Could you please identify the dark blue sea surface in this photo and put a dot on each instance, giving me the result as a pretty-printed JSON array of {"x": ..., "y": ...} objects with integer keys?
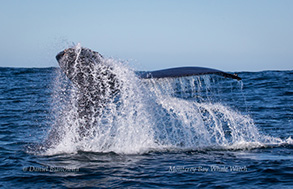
[{"x": 195, "y": 132}]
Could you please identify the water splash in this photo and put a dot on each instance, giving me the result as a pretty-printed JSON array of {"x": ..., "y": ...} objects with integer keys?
[{"x": 183, "y": 113}]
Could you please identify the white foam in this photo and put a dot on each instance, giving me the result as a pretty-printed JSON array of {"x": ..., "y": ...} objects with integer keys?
[{"x": 149, "y": 115}]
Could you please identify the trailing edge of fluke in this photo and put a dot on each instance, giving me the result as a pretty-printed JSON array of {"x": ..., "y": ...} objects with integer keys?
[{"x": 185, "y": 71}]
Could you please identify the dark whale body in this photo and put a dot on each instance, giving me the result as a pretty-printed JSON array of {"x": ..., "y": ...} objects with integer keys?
[
  {"x": 97, "y": 83},
  {"x": 94, "y": 80}
]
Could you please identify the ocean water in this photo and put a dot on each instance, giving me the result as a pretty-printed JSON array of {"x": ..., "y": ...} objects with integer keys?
[{"x": 188, "y": 132}]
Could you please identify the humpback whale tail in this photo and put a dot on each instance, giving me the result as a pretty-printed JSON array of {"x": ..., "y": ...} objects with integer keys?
[{"x": 98, "y": 84}]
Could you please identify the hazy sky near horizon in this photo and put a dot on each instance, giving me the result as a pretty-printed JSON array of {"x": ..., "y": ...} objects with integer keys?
[{"x": 230, "y": 35}]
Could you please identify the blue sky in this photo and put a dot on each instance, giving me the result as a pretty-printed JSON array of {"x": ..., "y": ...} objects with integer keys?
[{"x": 230, "y": 35}]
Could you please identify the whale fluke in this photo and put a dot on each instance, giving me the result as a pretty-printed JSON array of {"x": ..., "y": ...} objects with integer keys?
[
  {"x": 184, "y": 71},
  {"x": 98, "y": 84}
]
